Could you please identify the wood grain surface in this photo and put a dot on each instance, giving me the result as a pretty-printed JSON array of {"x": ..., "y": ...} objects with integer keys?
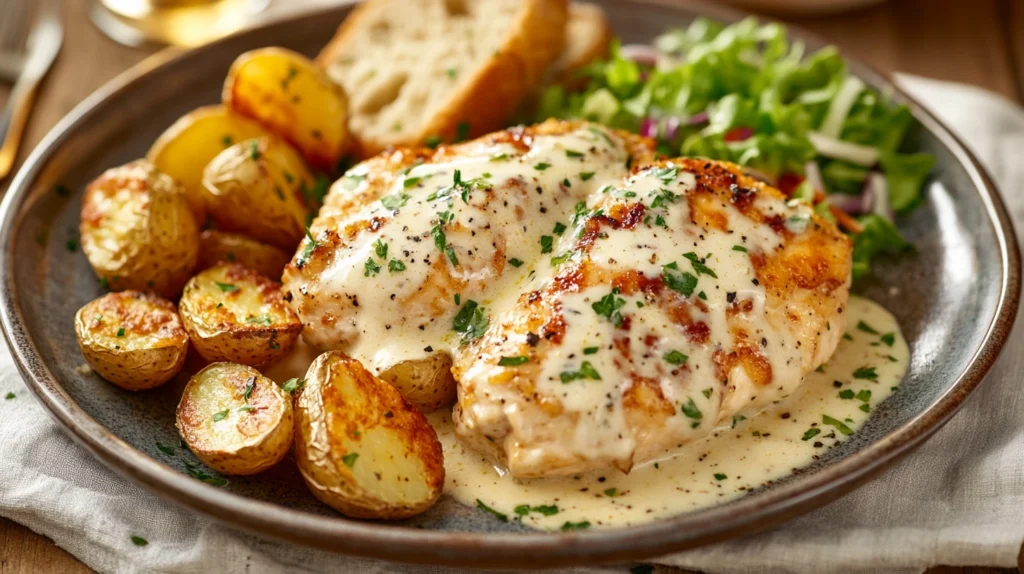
[{"x": 979, "y": 42}]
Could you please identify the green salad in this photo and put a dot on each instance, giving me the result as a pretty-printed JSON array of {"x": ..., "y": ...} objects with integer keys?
[{"x": 745, "y": 93}]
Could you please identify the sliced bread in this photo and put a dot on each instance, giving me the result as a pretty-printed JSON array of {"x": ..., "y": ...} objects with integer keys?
[
  {"x": 588, "y": 36},
  {"x": 422, "y": 71}
]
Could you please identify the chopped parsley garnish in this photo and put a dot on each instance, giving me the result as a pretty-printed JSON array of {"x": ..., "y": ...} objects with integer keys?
[
  {"x": 720, "y": 476},
  {"x": 692, "y": 412},
  {"x": 198, "y": 474},
  {"x": 395, "y": 201},
  {"x": 501, "y": 156},
  {"x": 541, "y": 166},
  {"x": 250, "y": 386},
  {"x": 602, "y": 134},
  {"x": 566, "y": 182},
  {"x": 580, "y": 211},
  {"x": 576, "y": 525},
  {"x": 811, "y": 433},
  {"x": 707, "y": 393},
  {"x": 350, "y": 182},
  {"x": 451, "y": 73},
  {"x": 846, "y": 394},
  {"x": 471, "y": 321},
  {"x": 663, "y": 197},
  {"x": 611, "y": 492},
  {"x": 608, "y": 307},
  {"x": 395, "y": 266},
  {"x": 226, "y": 287},
  {"x": 585, "y": 175},
  {"x": 292, "y": 385},
  {"x": 865, "y": 407},
  {"x": 370, "y": 267},
  {"x": 120, "y": 332},
  {"x": 737, "y": 419},
  {"x": 591, "y": 350},
  {"x": 838, "y": 424},
  {"x": 139, "y": 541},
  {"x": 307, "y": 251},
  {"x": 889, "y": 339},
  {"x": 560, "y": 259},
  {"x": 674, "y": 357},
  {"x": 546, "y": 243},
  {"x": 587, "y": 371},
  {"x": 221, "y": 415},
  {"x": 864, "y": 395},
  {"x": 545, "y": 509},
  {"x": 254, "y": 149},
  {"x": 440, "y": 239},
  {"x": 660, "y": 222},
  {"x": 513, "y": 361},
  {"x": 862, "y": 326},
  {"x": 666, "y": 174},
  {"x": 227, "y": 141},
  {"x": 573, "y": 153},
  {"x": 411, "y": 181},
  {"x": 681, "y": 282},
  {"x": 515, "y": 262},
  {"x": 432, "y": 141},
  {"x": 461, "y": 131},
  {"x": 698, "y": 265},
  {"x": 261, "y": 320},
  {"x": 380, "y": 248},
  {"x": 866, "y": 373},
  {"x": 739, "y": 248},
  {"x": 500, "y": 516},
  {"x": 350, "y": 459},
  {"x": 559, "y": 228}
]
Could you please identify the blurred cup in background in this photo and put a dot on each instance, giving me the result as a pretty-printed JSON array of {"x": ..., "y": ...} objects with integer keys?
[{"x": 173, "y": 22}]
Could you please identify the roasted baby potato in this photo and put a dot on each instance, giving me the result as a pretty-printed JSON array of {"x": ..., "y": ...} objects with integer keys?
[
  {"x": 427, "y": 384},
  {"x": 138, "y": 231},
  {"x": 234, "y": 419},
  {"x": 362, "y": 449},
  {"x": 258, "y": 187},
  {"x": 184, "y": 149},
  {"x": 132, "y": 339},
  {"x": 232, "y": 313},
  {"x": 293, "y": 98},
  {"x": 219, "y": 246}
]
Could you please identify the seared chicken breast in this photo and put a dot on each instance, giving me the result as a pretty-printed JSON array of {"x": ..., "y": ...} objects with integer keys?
[{"x": 600, "y": 307}]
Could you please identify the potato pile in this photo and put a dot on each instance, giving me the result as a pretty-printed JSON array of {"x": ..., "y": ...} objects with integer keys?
[{"x": 210, "y": 218}]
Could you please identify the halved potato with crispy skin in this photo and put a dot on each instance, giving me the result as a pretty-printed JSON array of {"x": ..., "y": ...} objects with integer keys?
[
  {"x": 184, "y": 149},
  {"x": 132, "y": 339},
  {"x": 294, "y": 98},
  {"x": 232, "y": 313},
  {"x": 258, "y": 187},
  {"x": 234, "y": 419},
  {"x": 138, "y": 231},
  {"x": 362, "y": 449},
  {"x": 427, "y": 383},
  {"x": 219, "y": 246}
]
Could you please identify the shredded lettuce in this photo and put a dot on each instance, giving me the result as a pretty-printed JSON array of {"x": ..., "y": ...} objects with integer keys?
[{"x": 745, "y": 93}]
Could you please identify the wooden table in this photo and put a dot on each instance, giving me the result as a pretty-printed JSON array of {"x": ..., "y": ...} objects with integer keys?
[{"x": 979, "y": 42}]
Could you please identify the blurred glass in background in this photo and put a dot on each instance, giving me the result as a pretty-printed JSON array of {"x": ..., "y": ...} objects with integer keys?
[{"x": 173, "y": 22}]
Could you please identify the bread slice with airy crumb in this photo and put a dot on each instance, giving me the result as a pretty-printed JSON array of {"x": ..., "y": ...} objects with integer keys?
[
  {"x": 423, "y": 71},
  {"x": 588, "y": 37}
]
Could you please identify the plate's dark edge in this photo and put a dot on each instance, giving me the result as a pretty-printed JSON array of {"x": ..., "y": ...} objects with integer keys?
[{"x": 505, "y": 550}]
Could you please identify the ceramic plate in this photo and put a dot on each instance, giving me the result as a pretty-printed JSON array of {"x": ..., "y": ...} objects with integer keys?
[{"x": 955, "y": 297}]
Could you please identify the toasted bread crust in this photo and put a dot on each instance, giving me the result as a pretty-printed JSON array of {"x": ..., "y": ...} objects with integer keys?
[{"x": 491, "y": 93}]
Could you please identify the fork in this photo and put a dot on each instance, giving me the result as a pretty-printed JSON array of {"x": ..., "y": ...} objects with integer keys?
[{"x": 44, "y": 41}]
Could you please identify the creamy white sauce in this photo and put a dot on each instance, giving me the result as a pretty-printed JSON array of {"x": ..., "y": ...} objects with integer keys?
[{"x": 722, "y": 467}]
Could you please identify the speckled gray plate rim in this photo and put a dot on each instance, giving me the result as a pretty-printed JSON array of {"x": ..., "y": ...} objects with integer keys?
[{"x": 482, "y": 546}]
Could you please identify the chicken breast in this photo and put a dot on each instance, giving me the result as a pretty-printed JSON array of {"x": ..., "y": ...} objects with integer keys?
[{"x": 601, "y": 308}]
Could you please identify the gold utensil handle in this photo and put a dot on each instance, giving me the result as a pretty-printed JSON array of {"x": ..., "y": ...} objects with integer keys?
[{"x": 12, "y": 125}]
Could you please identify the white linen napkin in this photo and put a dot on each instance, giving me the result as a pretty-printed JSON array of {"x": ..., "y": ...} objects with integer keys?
[{"x": 958, "y": 500}]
